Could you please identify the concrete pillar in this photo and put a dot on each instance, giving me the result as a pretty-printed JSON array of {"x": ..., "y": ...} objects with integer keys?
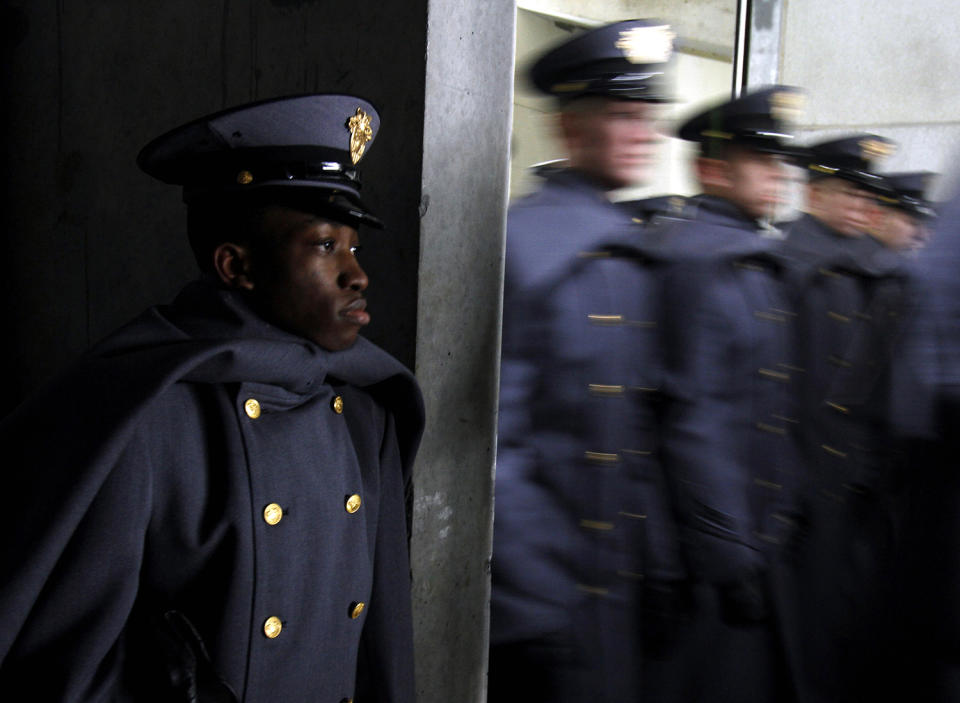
[
  {"x": 466, "y": 136},
  {"x": 763, "y": 42}
]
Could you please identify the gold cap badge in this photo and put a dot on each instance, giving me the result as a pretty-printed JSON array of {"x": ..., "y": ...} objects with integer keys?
[
  {"x": 787, "y": 106},
  {"x": 871, "y": 149},
  {"x": 647, "y": 44},
  {"x": 360, "y": 134}
]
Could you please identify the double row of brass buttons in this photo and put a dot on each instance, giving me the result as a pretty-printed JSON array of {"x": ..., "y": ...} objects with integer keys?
[
  {"x": 273, "y": 514},
  {"x": 273, "y": 626},
  {"x": 252, "y": 407}
]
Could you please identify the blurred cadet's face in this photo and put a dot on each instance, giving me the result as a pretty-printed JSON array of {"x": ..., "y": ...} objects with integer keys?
[
  {"x": 840, "y": 205},
  {"x": 756, "y": 181},
  {"x": 613, "y": 141},
  {"x": 307, "y": 279},
  {"x": 898, "y": 229},
  {"x": 752, "y": 180}
]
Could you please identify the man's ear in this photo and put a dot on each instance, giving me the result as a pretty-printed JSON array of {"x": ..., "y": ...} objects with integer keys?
[
  {"x": 814, "y": 195},
  {"x": 232, "y": 262},
  {"x": 568, "y": 126},
  {"x": 713, "y": 174}
]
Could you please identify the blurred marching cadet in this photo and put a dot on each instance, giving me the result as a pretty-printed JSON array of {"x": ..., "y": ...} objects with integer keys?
[
  {"x": 582, "y": 529},
  {"x": 729, "y": 451},
  {"x": 927, "y": 414},
  {"x": 850, "y": 296},
  {"x": 842, "y": 186},
  {"x": 900, "y": 219},
  {"x": 212, "y": 501}
]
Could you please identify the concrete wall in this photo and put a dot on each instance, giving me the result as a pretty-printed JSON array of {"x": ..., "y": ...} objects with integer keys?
[
  {"x": 465, "y": 170},
  {"x": 884, "y": 67},
  {"x": 706, "y": 22}
]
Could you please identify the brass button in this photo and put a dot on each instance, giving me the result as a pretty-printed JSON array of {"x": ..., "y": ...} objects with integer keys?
[
  {"x": 244, "y": 178},
  {"x": 595, "y": 524},
  {"x": 356, "y": 609},
  {"x": 337, "y": 405},
  {"x": 346, "y": 700},
  {"x": 252, "y": 408},
  {"x": 272, "y": 627},
  {"x": 272, "y": 514},
  {"x": 353, "y": 504}
]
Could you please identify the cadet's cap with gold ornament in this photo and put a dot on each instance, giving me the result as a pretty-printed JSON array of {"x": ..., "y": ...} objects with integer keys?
[
  {"x": 303, "y": 148},
  {"x": 854, "y": 158},
  {"x": 628, "y": 60},
  {"x": 761, "y": 120},
  {"x": 909, "y": 192}
]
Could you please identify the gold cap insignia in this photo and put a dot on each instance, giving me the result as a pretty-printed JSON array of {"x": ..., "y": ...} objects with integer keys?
[
  {"x": 647, "y": 44},
  {"x": 360, "y": 134},
  {"x": 872, "y": 149},
  {"x": 787, "y": 106}
]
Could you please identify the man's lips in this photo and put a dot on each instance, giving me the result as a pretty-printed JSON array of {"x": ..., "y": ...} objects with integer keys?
[{"x": 356, "y": 312}]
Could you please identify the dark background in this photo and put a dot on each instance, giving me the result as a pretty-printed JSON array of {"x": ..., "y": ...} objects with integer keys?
[{"x": 88, "y": 240}]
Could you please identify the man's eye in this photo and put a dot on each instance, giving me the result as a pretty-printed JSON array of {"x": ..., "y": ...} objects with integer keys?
[
  {"x": 327, "y": 244},
  {"x": 355, "y": 250}
]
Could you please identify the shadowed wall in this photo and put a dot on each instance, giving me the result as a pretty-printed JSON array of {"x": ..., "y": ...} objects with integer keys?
[{"x": 89, "y": 240}]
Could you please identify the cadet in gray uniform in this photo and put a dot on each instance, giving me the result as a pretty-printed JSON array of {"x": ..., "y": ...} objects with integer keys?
[
  {"x": 849, "y": 295},
  {"x": 212, "y": 502},
  {"x": 581, "y": 524},
  {"x": 728, "y": 444},
  {"x": 927, "y": 414}
]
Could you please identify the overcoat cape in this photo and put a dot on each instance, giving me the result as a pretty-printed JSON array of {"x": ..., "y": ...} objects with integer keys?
[{"x": 62, "y": 446}]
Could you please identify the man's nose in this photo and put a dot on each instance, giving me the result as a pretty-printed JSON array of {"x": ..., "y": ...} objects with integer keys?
[{"x": 352, "y": 275}]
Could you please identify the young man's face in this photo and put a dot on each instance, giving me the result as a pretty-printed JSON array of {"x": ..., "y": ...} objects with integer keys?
[
  {"x": 613, "y": 141},
  {"x": 752, "y": 180},
  {"x": 897, "y": 229},
  {"x": 840, "y": 205},
  {"x": 306, "y": 277},
  {"x": 756, "y": 181}
]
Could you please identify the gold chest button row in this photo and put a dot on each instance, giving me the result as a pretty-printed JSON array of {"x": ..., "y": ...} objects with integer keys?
[
  {"x": 353, "y": 504},
  {"x": 272, "y": 514},
  {"x": 337, "y": 404},
  {"x": 252, "y": 408},
  {"x": 356, "y": 609},
  {"x": 272, "y": 627}
]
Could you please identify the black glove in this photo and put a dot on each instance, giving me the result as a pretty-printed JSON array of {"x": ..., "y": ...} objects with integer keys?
[
  {"x": 744, "y": 601},
  {"x": 666, "y": 608},
  {"x": 190, "y": 673}
]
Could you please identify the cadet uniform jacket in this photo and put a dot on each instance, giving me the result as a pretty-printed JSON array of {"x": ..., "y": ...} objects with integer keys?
[
  {"x": 928, "y": 413},
  {"x": 730, "y": 446},
  {"x": 201, "y": 471},
  {"x": 850, "y": 296},
  {"x": 581, "y": 516}
]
